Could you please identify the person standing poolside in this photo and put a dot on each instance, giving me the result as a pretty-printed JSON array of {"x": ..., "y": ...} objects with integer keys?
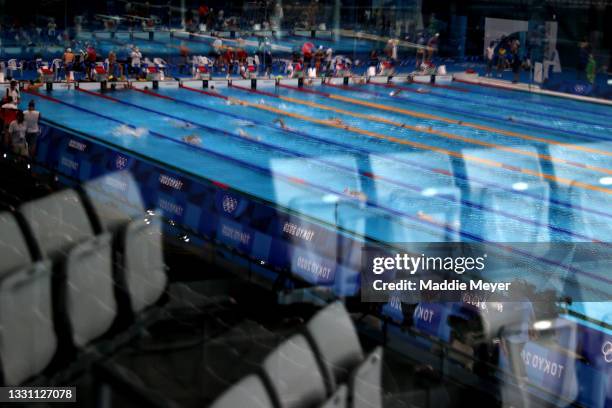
[
  {"x": 17, "y": 135},
  {"x": 114, "y": 69},
  {"x": 135, "y": 58},
  {"x": 13, "y": 92},
  {"x": 32, "y": 118},
  {"x": 91, "y": 59},
  {"x": 68, "y": 60}
]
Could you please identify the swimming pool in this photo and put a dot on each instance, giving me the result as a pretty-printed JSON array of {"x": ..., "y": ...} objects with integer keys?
[{"x": 331, "y": 165}]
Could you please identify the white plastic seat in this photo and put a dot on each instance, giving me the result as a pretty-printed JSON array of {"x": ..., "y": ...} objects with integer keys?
[
  {"x": 336, "y": 342},
  {"x": 63, "y": 232},
  {"x": 14, "y": 251},
  {"x": 58, "y": 222},
  {"x": 117, "y": 203},
  {"x": 338, "y": 399},
  {"x": 366, "y": 384},
  {"x": 294, "y": 374},
  {"x": 143, "y": 267},
  {"x": 248, "y": 392},
  {"x": 27, "y": 336},
  {"x": 90, "y": 298}
]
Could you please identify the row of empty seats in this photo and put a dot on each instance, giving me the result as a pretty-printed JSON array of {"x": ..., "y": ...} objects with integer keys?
[
  {"x": 73, "y": 265},
  {"x": 322, "y": 367}
]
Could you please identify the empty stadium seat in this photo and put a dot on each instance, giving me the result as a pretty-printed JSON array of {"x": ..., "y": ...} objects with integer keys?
[
  {"x": 336, "y": 342},
  {"x": 84, "y": 295},
  {"x": 118, "y": 206},
  {"x": 89, "y": 298},
  {"x": 58, "y": 222},
  {"x": 338, "y": 399},
  {"x": 294, "y": 374},
  {"x": 116, "y": 199},
  {"x": 366, "y": 383},
  {"x": 27, "y": 336},
  {"x": 249, "y": 392},
  {"x": 14, "y": 251}
]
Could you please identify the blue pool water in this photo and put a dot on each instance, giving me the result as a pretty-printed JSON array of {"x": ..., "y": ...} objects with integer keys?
[{"x": 443, "y": 189}]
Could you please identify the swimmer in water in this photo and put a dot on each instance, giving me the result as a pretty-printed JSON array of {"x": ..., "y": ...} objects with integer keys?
[
  {"x": 281, "y": 123},
  {"x": 511, "y": 119},
  {"x": 245, "y": 135},
  {"x": 192, "y": 139},
  {"x": 182, "y": 125},
  {"x": 338, "y": 122},
  {"x": 422, "y": 90},
  {"x": 125, "y": 130},
  {"x": 395, "y": 92},
  {"x": 356, "y": 194}
]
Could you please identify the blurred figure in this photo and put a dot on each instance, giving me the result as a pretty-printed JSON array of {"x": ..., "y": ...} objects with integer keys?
[
  {"x": 584, "y": 50},
  {"x": 13, "y": 92},
  {"x": 432, "y": 46},
  {"x": 516, "y": 61},
  {"x": 135, "y": 58},
  {"x": 420, "y": 51},
  {"x": 90, "y": 61},
  {"x": 591, "y": 69},
  {"x": 489, "y": 57},
  {"x": 32, "y": 118},
  {"x": 9, "y": 103},
  {"x": 115, "y": 69},
  {"x": 17, "y": 135}
]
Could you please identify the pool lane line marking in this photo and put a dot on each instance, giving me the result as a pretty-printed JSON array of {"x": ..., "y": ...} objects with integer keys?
[
  {"x": 510, "y": 133},
  {"x": 488, "y": 117},
  {"x": 439, "y": 118},
  {"x": 543, "y": 93},
  {"x": 421, "y": 146},
  {"x": 369, "y": 174},
  {"x": 414, "y": 164},
  {"x": 439, "y": 133},
  {"x": 448, "y": 135},
  {"x": 441, "y": 86},
  {"x": 424, "y": 220}
]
